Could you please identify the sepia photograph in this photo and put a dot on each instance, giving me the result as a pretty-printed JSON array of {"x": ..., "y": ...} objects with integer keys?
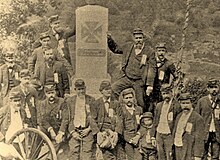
[{"x": 109, "y": 80}]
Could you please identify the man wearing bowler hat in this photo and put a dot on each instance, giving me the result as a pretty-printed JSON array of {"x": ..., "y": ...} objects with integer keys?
[
  {"x": 209, "y": 108},
  {"x": 139, "y": 69},
  {"x": 188, "y": 132},
  {"x": 106, "y": 121},
  {"x": 81, "y": 142}
]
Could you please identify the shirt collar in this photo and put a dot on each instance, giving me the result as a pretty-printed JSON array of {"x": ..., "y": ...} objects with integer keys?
[
  {"x": 141, "y": 47},
  {"x": 108, "y": 100}
]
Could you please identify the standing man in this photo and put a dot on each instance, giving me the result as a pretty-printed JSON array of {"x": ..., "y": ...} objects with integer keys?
[
  {"x": 165, "y": 69},
  {"x": 164, "y": 120},
  {"x": 28, "y": 97},
  {"x": 106, "y": 122},
  {"x": 9, "y": 72},
  {"x": 131, "y": 114},
  {"x": 37, "y": 58},
  {"x": 209, "y": 108},
  {"x": 81, "y": 142},
  {"x": 188, "y": 132},
  {"x": 139, "y": 69},
  {"x": 55, "y": 71}
]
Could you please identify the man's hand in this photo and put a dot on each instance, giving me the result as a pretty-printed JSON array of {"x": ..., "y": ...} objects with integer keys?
[
  {"x": 59, "y": 137},
  {"x": 85, "y": 132},
  {"x": 76, "y": 136},
  {"x": 52, "y": 133},
  {"x": 149, "y": 90},
  {"x": 197, "y": 158},
  {"x": 154, "y": 142},
  {"x": 135, "y": 140},
  {"x": 25, "y": 125}
]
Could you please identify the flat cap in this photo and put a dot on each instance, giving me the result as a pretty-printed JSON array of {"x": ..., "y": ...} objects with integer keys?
[
  {"x": 161, "y": 45},
  {"x": 53, "y": 18},
  {"x": 165, "y": 88},
  {"x": 184, "y": 96},
  {"x": 79, "y": 83},
  {"x": 49, "y": 85},
  {"x": 127, "y": 91},
  {"x": 105, "y": 84},
  {"x": 212, "y": 82},
  {"x": 24, "y": 73},
  {"x": 138, "y": 31},
  {"x": 15, "y": 94},
  {"x": 147, "y": 115},
  {"x": 44, "y": 35}
]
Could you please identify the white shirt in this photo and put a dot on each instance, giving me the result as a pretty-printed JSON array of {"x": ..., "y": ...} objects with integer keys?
[
  {"x": 181, "y": 125},
  {"x": 130, "y": 109},
  {"x": 137, "y": 50},
  {"x": 16, "y": 125},
  {"x": 80, "y": 112},
  {"x": 212, "y": 124},
  {"x": 163, "y": 126}
]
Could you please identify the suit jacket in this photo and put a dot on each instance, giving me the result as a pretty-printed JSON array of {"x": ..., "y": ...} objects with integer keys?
[
  {"x": 4, "y": 78},
  {"x": 149, "y": 70},
  {"x": 30, "y": 98},
  {"x": 193, "y": 139},
  {"x": 58, "y": 67},
  {"x": 204, "y": 108},
  {"x": 98, "y": 115},
  {"x": 169, "y": 69},
  {"x": 5, "y": 119},
  {"x": 130, "y": 122},
  {"x": 54, "y": 115},
  {"x": 174, "y": 109},
  {"x": 71, "y": 104}
]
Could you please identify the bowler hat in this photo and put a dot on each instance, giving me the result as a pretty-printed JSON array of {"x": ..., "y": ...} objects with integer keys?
[
  {"x": 79, "y": 83},
  {"x": 105, "y": 84},
  {"x": 49, "y": 85}
]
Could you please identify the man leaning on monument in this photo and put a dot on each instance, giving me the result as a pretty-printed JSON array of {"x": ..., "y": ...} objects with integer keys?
[{"x": 139, "y": 69}]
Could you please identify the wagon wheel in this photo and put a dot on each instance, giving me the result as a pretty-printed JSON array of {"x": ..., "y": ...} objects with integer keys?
[{"x": 33, "y": 144}]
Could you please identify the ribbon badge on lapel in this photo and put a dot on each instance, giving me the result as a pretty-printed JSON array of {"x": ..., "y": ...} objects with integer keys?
[{"x": 143, "y": 60}]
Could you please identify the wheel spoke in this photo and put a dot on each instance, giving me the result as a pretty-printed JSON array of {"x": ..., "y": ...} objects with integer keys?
[
  {"x": 27, "y": 149},
  {"x": 37, "y": 149},
  {"x": 21, "y": 147},
  {"x": 42, "y": 155}
]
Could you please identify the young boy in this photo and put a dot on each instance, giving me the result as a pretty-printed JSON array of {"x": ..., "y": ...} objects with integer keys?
[{"x": 147, "y": 143}]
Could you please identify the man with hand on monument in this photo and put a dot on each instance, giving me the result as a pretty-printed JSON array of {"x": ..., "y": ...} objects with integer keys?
[
  {"x": 106, "y": 121},
  {"x": 139, "y": 69}
]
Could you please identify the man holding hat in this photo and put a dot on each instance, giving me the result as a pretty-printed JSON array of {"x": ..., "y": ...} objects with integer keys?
[
  {"x": 139, "y": 68},
  {"x": 165, "y": 69},
  {"x": 106, "y": 121},
  {"x": 188, "y": 132},
  {"x": 12, "y": 117},
  {"x": 209, "y": 108},
  {"x": 9, "y": 72},
  {"x": 52, "y": 70},
  {"x": 131, "y": 114},
  {"x": 53, "y": 117},
  {"x": 164, "y": 120},
  {"x": 81, "y": 142}
]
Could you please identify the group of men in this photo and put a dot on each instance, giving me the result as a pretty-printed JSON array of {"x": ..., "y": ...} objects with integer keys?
[{"x": 120, "y": 122}]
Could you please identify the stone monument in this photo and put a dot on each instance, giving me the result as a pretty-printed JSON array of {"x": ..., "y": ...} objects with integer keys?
[{"x": 91, "y": 46}]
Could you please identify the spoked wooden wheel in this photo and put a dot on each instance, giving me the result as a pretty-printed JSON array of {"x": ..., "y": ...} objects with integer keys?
[{"x": 33, "y": 144}]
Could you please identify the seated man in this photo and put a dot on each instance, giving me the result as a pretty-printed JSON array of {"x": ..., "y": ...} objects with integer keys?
[{"x": 53, "y": 117}]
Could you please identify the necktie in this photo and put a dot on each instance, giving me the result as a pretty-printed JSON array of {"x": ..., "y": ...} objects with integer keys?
[{"x": 107, "y": 106}]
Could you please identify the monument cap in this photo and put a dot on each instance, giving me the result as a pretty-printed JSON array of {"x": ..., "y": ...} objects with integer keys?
[
  {"x": 105, "y": 85},
  {"x": 79, "y": 83}
]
